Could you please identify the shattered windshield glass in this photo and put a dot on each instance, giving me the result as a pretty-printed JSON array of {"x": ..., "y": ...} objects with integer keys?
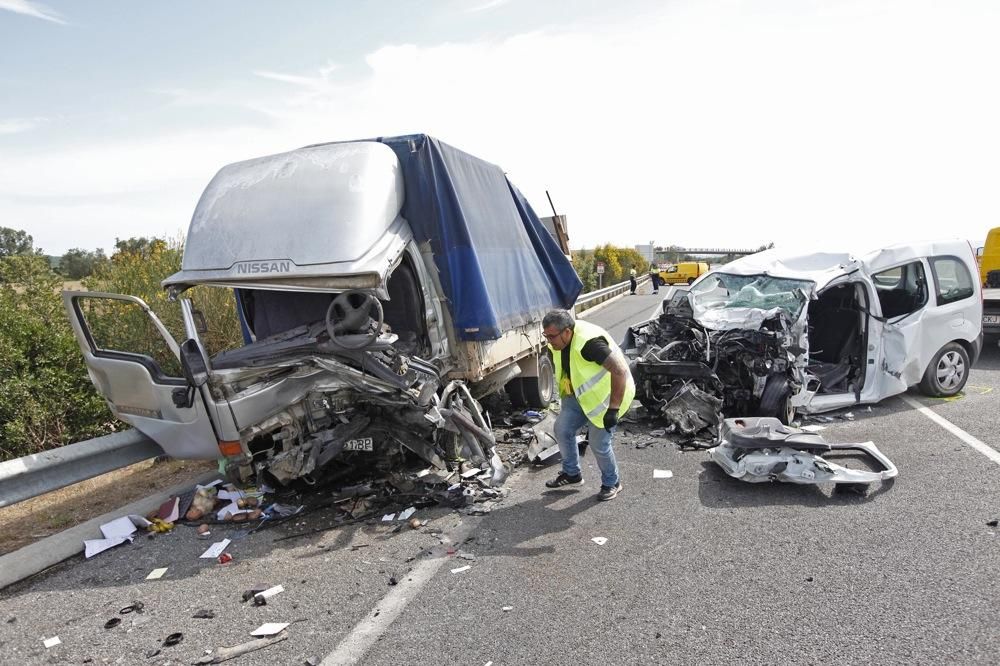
[{"x": 719, "y": 294}]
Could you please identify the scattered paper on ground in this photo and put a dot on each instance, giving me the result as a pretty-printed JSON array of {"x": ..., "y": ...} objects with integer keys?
[
  {"x": 406, "y": 513},
  {"x": 51, "y": 642},
  {"x": 116, "y": 532},
  {"x": 215, "y": 549},
  {"x": 662, "y": 474},
  {"x": 461, "y": 569},
  {"x": 388, "y": 518},
  {"x": 813, "y": 428},
  {"x": 600, "y": 541},
  {"x": 156, "y": 573},
  {"x": 269, "y": 629}
]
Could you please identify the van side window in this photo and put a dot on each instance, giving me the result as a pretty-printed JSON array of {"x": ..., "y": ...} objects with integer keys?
[
  {"x": 901, "y": 290},
  {"x": 952, "y": 279},
  {"x": 672, "y": 269},
  {"x": 122, "y": 329}
]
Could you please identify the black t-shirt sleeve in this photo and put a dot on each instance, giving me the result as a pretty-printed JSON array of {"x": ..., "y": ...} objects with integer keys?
[{"x": 596, "y": 350}]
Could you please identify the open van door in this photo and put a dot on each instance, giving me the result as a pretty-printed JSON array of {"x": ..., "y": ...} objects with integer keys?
[{"x": 136, "y": 366}]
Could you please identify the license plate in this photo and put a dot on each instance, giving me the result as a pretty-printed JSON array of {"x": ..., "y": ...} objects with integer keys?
[
  {"x": 363, "y": 444},
  {"x": 991, "y": 319}
]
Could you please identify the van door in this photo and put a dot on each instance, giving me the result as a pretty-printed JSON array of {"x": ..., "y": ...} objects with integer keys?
[
  {"x": 135, "y": 364},
  {"x": 903, "y": 301}
]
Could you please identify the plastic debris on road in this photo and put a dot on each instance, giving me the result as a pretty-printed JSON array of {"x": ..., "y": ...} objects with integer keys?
[
  {"x": 461, "y": 569},
  {"x": 600, "y": 541},
  {"x": 51, "y": 642},
  {"x": 662, "y": 474}
]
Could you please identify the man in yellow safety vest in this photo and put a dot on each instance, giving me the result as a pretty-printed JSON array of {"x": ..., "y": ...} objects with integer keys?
[{"x": 595, "y": 386}]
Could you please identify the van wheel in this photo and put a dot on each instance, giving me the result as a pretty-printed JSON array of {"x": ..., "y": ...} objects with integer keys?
[
  {"x": 776, "y": 400},
  {"x": 947, "y": 373},
  {"x": 539, "y": 391}
]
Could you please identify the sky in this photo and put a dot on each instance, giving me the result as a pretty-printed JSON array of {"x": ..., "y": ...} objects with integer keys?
[{"x": 817, "y": 125}]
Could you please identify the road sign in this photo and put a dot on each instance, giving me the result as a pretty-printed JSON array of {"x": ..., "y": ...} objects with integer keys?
[{"x": 600, "y": 267}]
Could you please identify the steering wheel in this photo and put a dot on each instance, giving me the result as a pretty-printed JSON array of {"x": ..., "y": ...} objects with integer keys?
[{"x": 351, "y": 313}]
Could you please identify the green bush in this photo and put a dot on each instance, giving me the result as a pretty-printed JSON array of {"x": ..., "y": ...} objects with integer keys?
[{"x": 46, "y": 397}]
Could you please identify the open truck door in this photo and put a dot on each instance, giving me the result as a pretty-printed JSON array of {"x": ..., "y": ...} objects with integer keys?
[{"x": 137, "y": 367}]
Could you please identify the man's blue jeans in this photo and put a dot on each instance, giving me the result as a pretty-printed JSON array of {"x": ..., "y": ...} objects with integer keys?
[{"x": 571, "y": 419}]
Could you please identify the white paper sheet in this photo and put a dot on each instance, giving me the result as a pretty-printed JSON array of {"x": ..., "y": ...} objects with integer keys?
[
  {"x": 156, "y": 573},
  {"x": 269, "y": 629},
  {"x": 662, "y": 474},
  {"x": 406, "y": 513},
  {"x": 388, "y": 518},
  {"x": 215, "y": 549},
  {"x": 116, "y": 532},
  {"x": 813, "y": 428},
  {"x": 600, "y": 541},
  {"x": 51, "y": 642},
  {"x": 461, "y": 569}
]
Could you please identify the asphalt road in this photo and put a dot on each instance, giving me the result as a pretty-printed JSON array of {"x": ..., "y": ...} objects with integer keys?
[{"x": 698, "y": 568}]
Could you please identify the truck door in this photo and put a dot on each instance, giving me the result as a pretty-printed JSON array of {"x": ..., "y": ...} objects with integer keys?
[{"x": 135, "y": 364}]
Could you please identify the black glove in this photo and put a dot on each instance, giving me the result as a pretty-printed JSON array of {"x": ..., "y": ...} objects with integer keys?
[{"x": 610, "y": 418}]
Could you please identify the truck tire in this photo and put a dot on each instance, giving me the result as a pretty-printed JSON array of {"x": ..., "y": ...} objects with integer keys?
[
  {"x": 947, "y": 372},
  {"x": 540, "y": 391},
  {"x": 515, "y": 391},
  {"x": 776, "y": 400}
]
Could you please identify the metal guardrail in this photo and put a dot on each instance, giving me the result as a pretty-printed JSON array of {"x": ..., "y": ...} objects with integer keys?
[
  {"x": 591, "y": 299},
  {"x": 40, "y": 473}
]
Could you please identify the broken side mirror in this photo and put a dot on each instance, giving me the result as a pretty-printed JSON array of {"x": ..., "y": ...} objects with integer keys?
[{"x": 195, "y": 372}]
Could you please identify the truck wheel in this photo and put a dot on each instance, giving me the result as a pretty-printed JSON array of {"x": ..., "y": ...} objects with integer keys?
[
  {"x": 947, "y": 373},
  {"x": 539, "y": 391},
  {"x": 515, "y": 391},
  {"x": 776, "y": 400}
]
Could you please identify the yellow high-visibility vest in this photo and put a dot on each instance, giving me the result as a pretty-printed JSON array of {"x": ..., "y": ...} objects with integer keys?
[{"x": 591, "y": 382}]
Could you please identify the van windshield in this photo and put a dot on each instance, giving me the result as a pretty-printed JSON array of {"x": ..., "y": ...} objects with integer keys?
[{"x": 725, "y": 291}]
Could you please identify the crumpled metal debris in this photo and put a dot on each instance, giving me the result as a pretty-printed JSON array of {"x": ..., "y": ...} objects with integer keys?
[{"x": 762, "y": 449}]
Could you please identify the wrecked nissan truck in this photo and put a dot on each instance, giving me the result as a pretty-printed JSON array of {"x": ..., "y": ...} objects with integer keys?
[
  {"x": 382, "y": 286},
  {"x": 773, "y": 334}
]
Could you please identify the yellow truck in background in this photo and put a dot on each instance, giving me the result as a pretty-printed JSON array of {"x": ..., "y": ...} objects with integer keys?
[
  {"x": 989, "y": 275},
  {"x": 684, "y": 272}
]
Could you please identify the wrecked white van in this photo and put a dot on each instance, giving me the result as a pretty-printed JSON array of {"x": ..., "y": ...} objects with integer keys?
[
  {"x": 773, "y": 333},
  {"x": 383, "y": 286}
]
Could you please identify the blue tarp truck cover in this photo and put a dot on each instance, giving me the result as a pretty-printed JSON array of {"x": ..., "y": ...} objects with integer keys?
[{"x": 499, "y": 267}]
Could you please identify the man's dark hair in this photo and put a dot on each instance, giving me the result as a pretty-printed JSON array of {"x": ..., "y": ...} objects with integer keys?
[{"x": 560, "y": 319}]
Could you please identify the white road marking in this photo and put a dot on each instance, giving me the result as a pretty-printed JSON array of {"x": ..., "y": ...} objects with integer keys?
[
  {"x": 356, "y": 644},
  {"x": 985, "y": 449}
]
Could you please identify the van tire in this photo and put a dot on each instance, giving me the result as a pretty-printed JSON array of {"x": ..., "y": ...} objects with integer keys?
[
  {"x": 776, "y": 400},
  {"x": 947, "y": 372},
  {"x": 539, "y": 391}
]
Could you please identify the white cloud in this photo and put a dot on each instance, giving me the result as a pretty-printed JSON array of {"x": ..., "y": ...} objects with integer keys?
[
  {"x": 18, "y": 125},
  {"x": 489, "y": 4},
  {"x": 34, "y": 9},
  {"x": 705, "y": 124}
]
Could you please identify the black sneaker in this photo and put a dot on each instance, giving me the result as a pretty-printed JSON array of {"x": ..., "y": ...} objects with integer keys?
[
  {"x": 565, "y": 479},
  {"x": 609, "y": 492}
]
